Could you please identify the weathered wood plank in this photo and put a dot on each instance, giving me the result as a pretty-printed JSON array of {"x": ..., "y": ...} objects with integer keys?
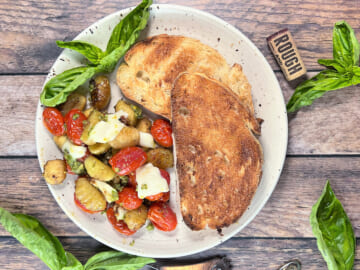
[
  {"x": 285, "y": 215},
  {"x": 330, "y": 126},
  {"x": 250, "y": 254},
  {"x": 30, "y": 28}
]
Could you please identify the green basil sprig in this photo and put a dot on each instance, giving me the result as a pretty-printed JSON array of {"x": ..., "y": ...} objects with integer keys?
[
  {"x": 34, "y": 236},
  {"x": 110, "y": 260},
  {"x": 122, "y": 38},
  {"x": 343, "y": 70},
  {"x": 332, "y": 228},
  {"x": 93, "y": 53}
]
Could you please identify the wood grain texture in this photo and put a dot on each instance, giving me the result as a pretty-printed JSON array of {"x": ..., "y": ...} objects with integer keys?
[
  {"x": 285, "y": 215},
  {"x": 330, "y": 126},
  {"x": 243, "y": 253},
  {"x": 30, "y": 28}
]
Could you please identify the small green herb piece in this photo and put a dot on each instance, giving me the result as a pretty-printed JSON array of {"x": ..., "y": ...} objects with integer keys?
[
  {"x": 75, "y": 165},
  {"x": 137, "y": 111},
  {"x": 343, "y": 70},
  {"x": 124, "y": 179},
  {"x": 122, "y": 38},
  {"x": 150, "y": 227},
  {"x": 116, "y": 260},
  {"x": 144, "y": 186},
  {"x": 332, "y": 228}
]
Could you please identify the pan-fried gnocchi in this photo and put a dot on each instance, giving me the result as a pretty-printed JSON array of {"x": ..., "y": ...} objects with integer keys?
[{"x": 114, "y": 147}]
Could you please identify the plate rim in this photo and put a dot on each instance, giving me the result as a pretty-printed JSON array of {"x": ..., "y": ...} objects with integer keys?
[{"x": 219, "y": 21}]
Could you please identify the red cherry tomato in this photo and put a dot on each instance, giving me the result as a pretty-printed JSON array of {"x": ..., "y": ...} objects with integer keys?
[
  {"x": 132, "y": 180},
  {"x": 161, "y": 215},
  {"x": 120, "y": 225},
  {"x": 82, "y": 207},
  {"x": 128, "y": 160},
  {"x": 54, "y": 121},
  {"x": 161, "y": 131},
  {"x": 163, "y": 196},
  {"x": 74, "y": 121},
  {"x": 128, "y": 198}
]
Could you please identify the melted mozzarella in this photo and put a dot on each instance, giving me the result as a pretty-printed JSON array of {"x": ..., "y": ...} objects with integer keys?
[
  {"x": 149, "y": 181},
  {"x": 106, "y": 131},
  {"x": 147, "y": 140},
  {"x": 76, "y": 151}
]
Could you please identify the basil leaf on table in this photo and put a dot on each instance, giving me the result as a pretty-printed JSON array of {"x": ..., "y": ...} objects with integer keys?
[
  {"x": 34, "y": 236},
  {"x": 122, "y": 38},
  {"x": 345, "y": 44},
  {"x": 314, "y": 88},
  {"x": 116, "y": 260},
  {"x": 333, "y": 231},
  {"x": 343, "y": 70},
  {"x": 93, "y": 53}
]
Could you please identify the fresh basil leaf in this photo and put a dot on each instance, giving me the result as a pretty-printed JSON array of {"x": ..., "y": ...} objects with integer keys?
[
  {"x": 333, "y": 64},
  {"x": 34, "y": 236},
  {"x": 333, "y": 231},
  {"x": 93, "y": 53},
  {"x": 116, "y": 260},
  {"x": 125, "y": 35},
  {"x": 72, "y": 263},
  {"x": 129, "y": 27},
  {"x": 345, "y": 44},
  {"x": 308, "y": 91},
  {"x": 57, "y": 89}
]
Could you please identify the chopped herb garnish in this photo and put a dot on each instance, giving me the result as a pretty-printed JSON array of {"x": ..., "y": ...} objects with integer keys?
[{"x": 150, "y": 227}]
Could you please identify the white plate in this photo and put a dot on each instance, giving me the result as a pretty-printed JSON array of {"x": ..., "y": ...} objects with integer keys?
[{"x": 268, "y": 102}]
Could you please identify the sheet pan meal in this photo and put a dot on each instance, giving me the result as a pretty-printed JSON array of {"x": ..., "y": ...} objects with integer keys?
[{"x": 205, "y": 128}]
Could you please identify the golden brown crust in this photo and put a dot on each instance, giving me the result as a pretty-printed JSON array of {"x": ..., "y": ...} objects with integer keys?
[
  {"x": 219, "y": 159},
  {"x": 151, "y": 66}
]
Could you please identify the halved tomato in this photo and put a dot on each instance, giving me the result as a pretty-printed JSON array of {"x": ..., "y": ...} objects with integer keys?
[{"x": 128, "y": 160}]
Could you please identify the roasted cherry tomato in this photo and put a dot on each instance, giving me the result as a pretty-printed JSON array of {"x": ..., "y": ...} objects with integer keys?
[
  {"x": 161, "y": 131},
  {"x": 132, "y": 180},
  {"x": 161, "y": 215},
  {"x": 54, "y": 121},
  {"x": 128, "y": 160},
  {"x": 163, "y": 196},
  {"x": 120, "y": 225},
  {"x": 128, "y": 198},
  {"x": 82, "y": 207},
  {"x": 74, "y": 121}
]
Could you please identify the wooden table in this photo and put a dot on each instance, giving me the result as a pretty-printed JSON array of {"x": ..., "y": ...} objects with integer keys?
[{"x": 324, "y": 139}]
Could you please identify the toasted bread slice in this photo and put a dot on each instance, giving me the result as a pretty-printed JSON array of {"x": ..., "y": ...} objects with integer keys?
[
  {"x": 151, "y": 66},
  {"x": 219, "y": 159}
]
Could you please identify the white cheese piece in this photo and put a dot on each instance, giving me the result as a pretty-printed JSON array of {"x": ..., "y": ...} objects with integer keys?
[
  {"x": 146, "y": 140},
  {"x": 106, "y": 131},
  {"x": 149, "y": 181},
  {"x": 120, "y": 213},
  {"x": 110, "y": 193},
  {"x": 76, "y": 151}
]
